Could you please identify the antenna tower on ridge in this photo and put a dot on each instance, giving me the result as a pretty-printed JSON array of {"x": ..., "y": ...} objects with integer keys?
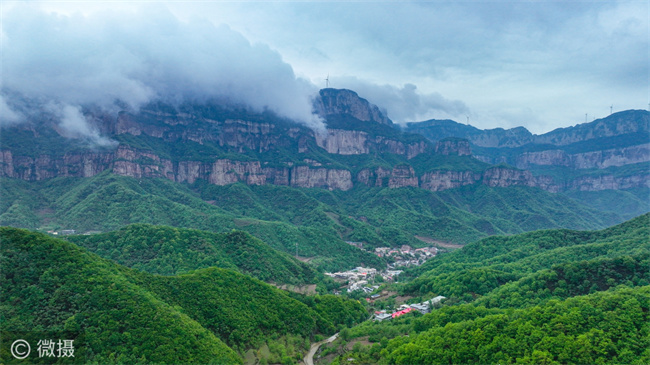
[
  {"x": 611, "y": 109},
  {"x": 327, "y": 81}
]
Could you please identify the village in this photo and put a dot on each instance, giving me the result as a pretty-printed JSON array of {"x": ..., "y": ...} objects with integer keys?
[
  {"x": 359, "y": 278},
  {"x": 424, "y": 308}
]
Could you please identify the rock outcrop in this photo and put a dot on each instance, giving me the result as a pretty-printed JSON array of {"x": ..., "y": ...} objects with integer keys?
[
  {"x": 402, "y": 176},
  {"x": 500, "y": 176},
  {"x": 342, "y": 101},
  {"x": 343, "y": 142},
  {"x": 453, "y": 146},
  {"x": 588, "y": 160},
  {"x": 605, "y": 182},
  {"x": 444, "y": 180}
]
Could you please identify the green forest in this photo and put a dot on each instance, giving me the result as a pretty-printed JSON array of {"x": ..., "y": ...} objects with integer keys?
[
  {"x": 123, "y": 315},
  {"x": 170, "y": 251},
  {"x": 312, "y": 223},
  {"x": 545, "y": 297}
]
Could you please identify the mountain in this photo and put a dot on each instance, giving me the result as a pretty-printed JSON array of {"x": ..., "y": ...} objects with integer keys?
[
  {"x": 223, "y": 145},
  {"x": 545, "y": 297},
  {"x": 116, "y": 314},
  {"x": 172, "y": 251},
  {"x": 629, "y": 123},
  {"x": 219, "y": 167},
  {"x": 484, "y": 265},
  {"x": 608, "y": 153}
]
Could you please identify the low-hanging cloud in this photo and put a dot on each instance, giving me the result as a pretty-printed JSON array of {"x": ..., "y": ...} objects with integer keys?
[
  {"x": 405, "y": 104},
  {"x": 134, "y": 57}
]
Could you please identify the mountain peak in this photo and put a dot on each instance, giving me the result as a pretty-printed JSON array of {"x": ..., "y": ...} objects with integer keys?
[{"x": 344, "y": 101}]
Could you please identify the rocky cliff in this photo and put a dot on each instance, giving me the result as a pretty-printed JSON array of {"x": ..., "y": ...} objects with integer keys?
[
  {"x": 618, "y": 124},
  {"x": 587, "y": 160},
  {"x": 222, "y": 146},
  {"x": 127, "y": 161},
  {"x": 453, "y": 146},
  {"x": 342, "y": 101}
]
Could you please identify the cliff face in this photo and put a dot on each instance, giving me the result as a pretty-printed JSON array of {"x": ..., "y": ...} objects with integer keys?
[
  {"x": 341, "y": 101},
  {"x": 606, "y": 182},
  {"x": 126, "y": 161},
  {"x": 453, "y": 146},
  {"x": 223, "y": 147},
  {"x": 443, "y": 180},
  {"x": 587, "y": 160},
  {"x": 563, "y": 159},
  {"x": 344, "y": 142}
]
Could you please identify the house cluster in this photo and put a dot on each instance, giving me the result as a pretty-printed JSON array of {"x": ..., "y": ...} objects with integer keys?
[
  {"x": 358, "y": 278},
  {"x": 424, "y": 308},
  {"x": 390, "y": 275},
  {"x": 66, "y": 232},
  {"x": 407, "y": 255},
  {"x": 63, "y": 232}
]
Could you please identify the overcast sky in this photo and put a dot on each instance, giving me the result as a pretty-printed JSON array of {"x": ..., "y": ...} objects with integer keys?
[{"x": 538, "y": 64}]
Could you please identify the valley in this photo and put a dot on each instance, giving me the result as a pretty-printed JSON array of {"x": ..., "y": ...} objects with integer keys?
[{"x": 209, "y": 233}]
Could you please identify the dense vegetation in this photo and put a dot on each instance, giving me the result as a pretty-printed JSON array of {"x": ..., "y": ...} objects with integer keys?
[
  {"x": 489, "y": 263},
  {"x": 546, "y": 297},
  {"x": 107, "y": 202},
  {"x": 312, "y": 222},
  {"x": 604, "y": 327},
  {"x": 130, "y": 316},
  {"x": 51, "y": 285},
  {"x": 170, "y": 251}
]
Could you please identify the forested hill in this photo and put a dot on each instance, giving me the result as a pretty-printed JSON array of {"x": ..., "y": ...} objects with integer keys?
[
  {"x": 170, "y": 251},
  {"x": 316, "y": 222},
  {"x": 123, "y": 315},
  {"x": 482, "y": 266},
  {"x": 546, "y": 297}
]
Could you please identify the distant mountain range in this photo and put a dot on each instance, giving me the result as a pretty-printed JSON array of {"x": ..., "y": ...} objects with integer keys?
[
  {"x": 361, "y": 146},
  {"x": 362, "y": 179},
  {"x": 608, "y": 153}
]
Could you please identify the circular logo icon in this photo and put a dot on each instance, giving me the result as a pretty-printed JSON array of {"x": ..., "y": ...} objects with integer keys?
[{"x": 20, "y": 349}]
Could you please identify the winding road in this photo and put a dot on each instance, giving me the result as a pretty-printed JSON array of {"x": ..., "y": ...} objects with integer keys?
[{"x": 309, "y": 359}]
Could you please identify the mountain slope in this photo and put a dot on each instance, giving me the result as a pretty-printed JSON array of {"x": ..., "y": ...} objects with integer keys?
[
  {"x": 611, "y": 153},
  {"x": 171, "y": 251},
  {"x": 487, "y": 264},
  {"x": 546, "y": 297},
  {"x": 51, "y": 285},
  {"x": 116, "y": 312},
  {"x": 614, "y": 331}
]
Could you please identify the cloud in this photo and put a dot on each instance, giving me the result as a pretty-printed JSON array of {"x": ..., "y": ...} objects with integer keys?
[
  {"x": 7, "y": 115},
  {"x": 404, "y": 104},
  {"x": 73, "y": 124},
  {"x": 555, "y": 60},
  {"x": 135, "y": 56}
]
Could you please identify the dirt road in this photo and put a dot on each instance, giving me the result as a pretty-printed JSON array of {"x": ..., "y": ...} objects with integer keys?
[{"x": 309, "y": 359}]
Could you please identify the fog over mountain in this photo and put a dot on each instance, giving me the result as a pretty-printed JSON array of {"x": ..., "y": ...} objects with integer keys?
[
  {"x": 541, "y": 65},
  {"x": 62, "y": 63}
]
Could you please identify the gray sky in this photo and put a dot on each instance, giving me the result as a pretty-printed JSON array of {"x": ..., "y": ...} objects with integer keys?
[{"x": 540, "y": 64}]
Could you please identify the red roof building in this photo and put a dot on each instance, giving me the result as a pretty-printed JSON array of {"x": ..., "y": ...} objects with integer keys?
[{"x": 404, "y": 311}]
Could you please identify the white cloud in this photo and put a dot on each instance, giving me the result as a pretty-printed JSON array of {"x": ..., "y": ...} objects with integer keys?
[
  {"x": 404, "y": 104},
  {"x": 7, "y": 115},
  {"x": 74, "y": 125},
  {"x": 538, "y": 64},
  {"x": 140, "y": 55}
]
